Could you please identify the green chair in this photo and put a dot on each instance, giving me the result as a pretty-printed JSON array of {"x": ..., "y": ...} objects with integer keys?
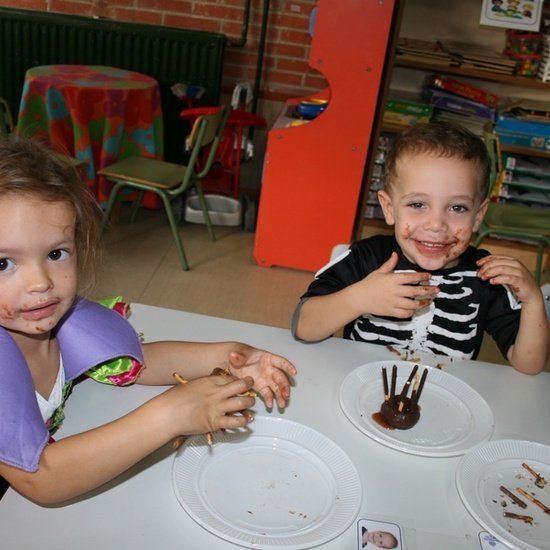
[
  {"x": 169, "y": 180},
  {"x": 513, "y": 222}
]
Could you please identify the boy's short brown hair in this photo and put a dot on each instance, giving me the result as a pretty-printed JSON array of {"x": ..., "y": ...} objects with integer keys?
[{"x": 440, "y": 140}]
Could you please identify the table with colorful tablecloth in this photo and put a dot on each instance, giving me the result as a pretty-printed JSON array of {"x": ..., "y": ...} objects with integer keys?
[{"x": 94, "y": 113}]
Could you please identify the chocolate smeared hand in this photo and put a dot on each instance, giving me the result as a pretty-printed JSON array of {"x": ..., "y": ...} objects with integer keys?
[
  {"x": 216, "y": 372},
  {"x": 400, "y": 411}
]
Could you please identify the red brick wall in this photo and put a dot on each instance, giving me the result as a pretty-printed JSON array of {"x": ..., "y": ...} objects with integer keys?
[{"x": 286, "y": 72}]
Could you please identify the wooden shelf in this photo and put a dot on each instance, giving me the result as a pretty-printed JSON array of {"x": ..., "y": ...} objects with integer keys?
[
  {"x": 531, "y": 152},
  {"x": 364, "y": 225},
  {"x": 521, "y": 81}
]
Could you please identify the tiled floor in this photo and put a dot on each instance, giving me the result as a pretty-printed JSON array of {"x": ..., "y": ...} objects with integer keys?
[{"x": 143, "y": 267}]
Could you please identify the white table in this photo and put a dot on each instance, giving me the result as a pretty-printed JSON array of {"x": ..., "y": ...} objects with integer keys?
[{"x": 140, "y": 510}]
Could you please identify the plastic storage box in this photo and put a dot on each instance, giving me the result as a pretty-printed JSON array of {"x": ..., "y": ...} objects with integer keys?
[{"x": 222, "y": 210}]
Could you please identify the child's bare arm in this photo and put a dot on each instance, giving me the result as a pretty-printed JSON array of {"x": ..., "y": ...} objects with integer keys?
[
  {"x": 80, "y": 463},
  {"x": 382, "y": 293},
  {"x": 195, "y": 359},
  {"x": 530, "y": 350}
]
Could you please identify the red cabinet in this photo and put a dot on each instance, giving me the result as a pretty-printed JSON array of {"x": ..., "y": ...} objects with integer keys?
[{"x": 313, "y": 172}]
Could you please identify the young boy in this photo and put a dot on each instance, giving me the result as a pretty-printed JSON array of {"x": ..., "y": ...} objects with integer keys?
[{"x": 424, "y": 288}]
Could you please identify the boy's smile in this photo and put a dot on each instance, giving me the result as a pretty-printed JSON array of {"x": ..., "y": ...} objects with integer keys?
[{"x": 435, "y": 208}]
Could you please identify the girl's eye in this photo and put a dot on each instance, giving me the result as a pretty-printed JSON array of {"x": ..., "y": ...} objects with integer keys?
[
  {"x": 58, "y": 255},
  {"x": 416, "y": 205},
  {"x": 459, "y": 208},
  {"x": 6, "y": 264}
]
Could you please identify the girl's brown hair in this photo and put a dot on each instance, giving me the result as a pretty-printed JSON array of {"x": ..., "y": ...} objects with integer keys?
[
  {"x": 440, "y": 140},
  {"x": 30, "y": 169}
]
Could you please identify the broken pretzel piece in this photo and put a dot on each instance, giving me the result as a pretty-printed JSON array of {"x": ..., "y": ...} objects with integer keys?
[
  {"x": 540, "y": 482},
  {"x": 526, "y": 519}
]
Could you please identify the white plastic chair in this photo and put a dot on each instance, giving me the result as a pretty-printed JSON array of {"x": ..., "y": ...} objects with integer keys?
[{"x": 338, "y": 250}]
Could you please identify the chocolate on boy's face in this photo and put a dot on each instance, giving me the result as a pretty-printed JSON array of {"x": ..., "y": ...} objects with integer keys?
[{"x": 435, "y": 208}]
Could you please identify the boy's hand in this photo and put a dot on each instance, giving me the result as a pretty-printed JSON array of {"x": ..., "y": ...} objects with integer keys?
[
  {"x": 396, "y": 294},
  {"x": 269, "y": 372},
  {"x": 506, "y": 270}
]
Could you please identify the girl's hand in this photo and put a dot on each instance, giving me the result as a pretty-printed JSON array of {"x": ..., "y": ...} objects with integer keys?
[
  {"x": 506, "y": 270},
  {"x": 269, "y": 372},
  {"x": 208, "y": 404}
]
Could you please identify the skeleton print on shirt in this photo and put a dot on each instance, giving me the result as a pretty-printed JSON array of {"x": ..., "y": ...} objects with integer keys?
[
  {"x": 448, "y": 326},
  {"x": 454, "y": 322}
]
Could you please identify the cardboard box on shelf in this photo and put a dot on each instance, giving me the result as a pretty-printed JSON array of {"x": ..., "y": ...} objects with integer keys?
[
  {"x": 465, "y": 90},
  {"x": 523, "y": 133},
  {"x": 406, "y": 109}
]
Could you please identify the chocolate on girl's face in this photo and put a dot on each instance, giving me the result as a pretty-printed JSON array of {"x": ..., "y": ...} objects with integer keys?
[{"x": 37, "y": 264}]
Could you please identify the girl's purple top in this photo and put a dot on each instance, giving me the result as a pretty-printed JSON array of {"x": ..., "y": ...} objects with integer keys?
[{"x": 86, "y": 339}]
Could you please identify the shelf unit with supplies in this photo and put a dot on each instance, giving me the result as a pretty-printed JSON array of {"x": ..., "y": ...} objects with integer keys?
[
  {"x": 369, "y": 220},
  {"x": 524, "y": 178}
]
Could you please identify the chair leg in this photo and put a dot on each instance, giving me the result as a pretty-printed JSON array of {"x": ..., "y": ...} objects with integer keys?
[
  {"x": 175, "y": 231},
  {"x": 206, "y": 215},
  {"x": 110, "y": 205},
  {"x": 136, "y": 205}
]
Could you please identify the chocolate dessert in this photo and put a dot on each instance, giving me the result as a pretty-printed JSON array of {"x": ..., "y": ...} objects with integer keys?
[
  {"x": 403, "y": 419},
  {"x": 401, "y": 411}
]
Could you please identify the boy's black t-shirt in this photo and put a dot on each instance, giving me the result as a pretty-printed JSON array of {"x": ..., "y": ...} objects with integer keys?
[{"x": 452, "y": 325}]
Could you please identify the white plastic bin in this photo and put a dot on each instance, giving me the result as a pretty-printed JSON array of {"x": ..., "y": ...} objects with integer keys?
[{"x": 223, "y": 210}]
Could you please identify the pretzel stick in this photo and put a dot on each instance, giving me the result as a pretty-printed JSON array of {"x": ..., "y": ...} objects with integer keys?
[
  {"x": 407, "y": 385},
  {"x": 385, "y": 381},
  {"x": 417, "y": 393},
  {"x": 415, "y": 387},
  {"x": 226, "y": 372},
  {"x": 393, "y": 380},
  {"x": 511, "y": 515},
  {"x": 534, "y": 500},
  {"x": 181, "y": 439},
  {"x": 539, "y": 480},
  {"x": 178, "y": 442},
  {"x": 180, "y": 378},
  {"x": 513, "y": 497}
]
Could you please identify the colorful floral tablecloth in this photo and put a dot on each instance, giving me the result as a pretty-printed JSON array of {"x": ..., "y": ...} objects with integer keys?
[{"x": 94, "y": 113}]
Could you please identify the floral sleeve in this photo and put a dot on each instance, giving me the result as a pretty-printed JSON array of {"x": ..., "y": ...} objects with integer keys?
[{"x": 121, "y": 371}]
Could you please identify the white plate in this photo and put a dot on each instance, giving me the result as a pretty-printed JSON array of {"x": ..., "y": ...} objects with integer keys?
[
  {"x": 454, "y": 418},
  {"x": 278, "y": 484},
  {"x": 479, "y": 477}
]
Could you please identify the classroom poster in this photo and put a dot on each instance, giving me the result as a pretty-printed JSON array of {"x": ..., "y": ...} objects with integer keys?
[{"x": 512, "y": 14}]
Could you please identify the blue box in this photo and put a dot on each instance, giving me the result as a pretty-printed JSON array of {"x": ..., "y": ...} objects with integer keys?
[
  {"x": 523, "y": 133},
  {"x": 448, "y": 101},
  {"x": 511, "y": 124}
]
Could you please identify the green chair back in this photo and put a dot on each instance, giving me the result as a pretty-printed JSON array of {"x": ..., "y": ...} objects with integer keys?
[{"x": 510, "y": 221}]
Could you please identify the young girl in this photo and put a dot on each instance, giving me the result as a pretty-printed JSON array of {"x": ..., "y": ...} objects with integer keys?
[{"x": 49, "y": 336}]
